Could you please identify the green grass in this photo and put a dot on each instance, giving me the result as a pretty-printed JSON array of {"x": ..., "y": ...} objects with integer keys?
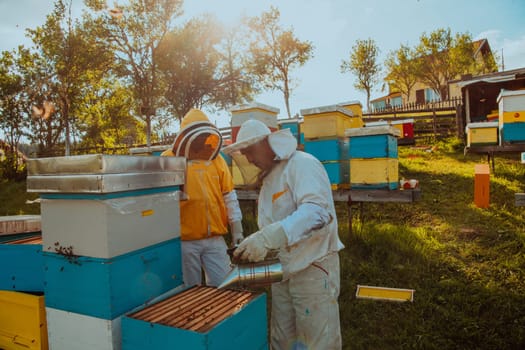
[
  {"x": 466, "y": 264},
  {"x": 13, "y": 197}
]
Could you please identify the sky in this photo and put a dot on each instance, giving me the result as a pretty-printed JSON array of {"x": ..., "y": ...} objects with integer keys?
[{"x": 333, "y": 27}]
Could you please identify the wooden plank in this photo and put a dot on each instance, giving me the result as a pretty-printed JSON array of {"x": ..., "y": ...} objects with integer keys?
[
  {"x": 399, "y": 196},
  {"x": 19, "y": 224},
  {"x": 341, "y": 195},
  {"x": 512, "y": 147}
]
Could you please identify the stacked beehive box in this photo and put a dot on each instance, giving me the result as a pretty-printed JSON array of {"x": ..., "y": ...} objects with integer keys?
[
  {"x": 354, "y": 106},
  {"x": 406, "y": 131},
  {"x": 324, "y": 137},
  {"x": 254, "y": 110},
  {"x": 294, "y": 125},
  {"x": 22, "y": 313},
  {"x": 511, "y": 116},
  {"x": 405, "y": 127},
  {"x": 111, "y": 241},
  {"x": 373, "y": 157}
]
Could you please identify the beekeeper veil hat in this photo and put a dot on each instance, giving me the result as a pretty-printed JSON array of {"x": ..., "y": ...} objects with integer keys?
[
  {"x": 198, "y": 138},
  {"x": 252, "y": 131}
]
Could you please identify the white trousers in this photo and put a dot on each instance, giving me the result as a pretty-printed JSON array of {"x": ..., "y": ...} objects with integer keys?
[
  {"x": 305, "y": 310},
  {"x": 205, "y": 254}
]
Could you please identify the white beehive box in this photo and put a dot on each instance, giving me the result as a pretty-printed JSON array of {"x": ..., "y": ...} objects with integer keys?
[
  {"x": 69, "y": 330},
  {"x": 111, "y": 227},
  {"x": 104, "y": 206}
]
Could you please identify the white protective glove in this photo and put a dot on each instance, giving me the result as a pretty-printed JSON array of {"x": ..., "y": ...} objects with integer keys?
[
  {"x": 255, "y": 247},
  {"x": 236, "y": 230}
]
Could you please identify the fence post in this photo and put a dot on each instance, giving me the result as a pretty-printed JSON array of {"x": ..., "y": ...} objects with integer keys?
[
  {"x": 434, "y": 121},
  {"x": 459, "y": 123}
]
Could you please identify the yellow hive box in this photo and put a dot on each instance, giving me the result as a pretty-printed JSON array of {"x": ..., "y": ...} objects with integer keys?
[
  {"x": 328, "y": 121},
  {"x": 479, "y": 134},
  {"x": 22, "y": 321},
  {"x": 374, "y": 173},
  {"x": 354, "y": 106},
  {"x": 513, "y": 117}
]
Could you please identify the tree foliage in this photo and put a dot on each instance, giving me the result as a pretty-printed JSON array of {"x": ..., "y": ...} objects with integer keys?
[
  {"x": 363, "y": 63},
  {"x": 13, "y": 106},
  {"x": 201, "y": 66},
  {"x": 134, "y": 35},
  {"x": 106, "y": 118},
  {"x": 67, "y": 62},
  {"x": 274, "y": 52},
  {"x": 444, "y": 57},
  {"x": 402, "y": 69}
]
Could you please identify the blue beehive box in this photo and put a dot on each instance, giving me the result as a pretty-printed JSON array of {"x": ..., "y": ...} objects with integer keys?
[
  {"x": 373, "y": 146},
  {"x": 22, "y": 264},
  {"x": 200, "y": 318},
  {"x": 293, "y": 125},
  {"x": 328, "y": 149},
  {"x": 513, "y": 132},
  {"x": 373, "y": 142},
  {"x": 227, "y": 158},
  {"x": 107, "y": 288},
  {"x": 338, "y": 173}
]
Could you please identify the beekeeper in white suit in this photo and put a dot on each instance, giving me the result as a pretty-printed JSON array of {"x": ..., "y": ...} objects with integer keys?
[{"x": 296, "y": 215}]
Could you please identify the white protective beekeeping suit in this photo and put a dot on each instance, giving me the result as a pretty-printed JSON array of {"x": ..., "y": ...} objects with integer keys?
[{"x": 296, "y": 196}]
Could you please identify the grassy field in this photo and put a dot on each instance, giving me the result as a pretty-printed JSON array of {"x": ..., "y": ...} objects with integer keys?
[{"x": 466, "y": 264}]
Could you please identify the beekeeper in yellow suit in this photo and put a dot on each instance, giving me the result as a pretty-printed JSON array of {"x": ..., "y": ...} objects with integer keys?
[
  {"x": 296, "y": 216},
  {"x": 211, "y": 206}
]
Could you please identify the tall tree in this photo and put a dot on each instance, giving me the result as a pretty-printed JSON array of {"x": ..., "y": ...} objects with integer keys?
[
  {"x": 200, "y": 65},
  {"x": 13, "y": 114},
  {"x": 69, "y": 60},
  {"x": 106, "y": 119},
  {"x": 363, "y": 63},
  {"x": 445, "y": 57},
  {"x": 274, "y": 52},
  {"x": 134, "y": 32},
  {"x": 402, "y": 70},
  {"x": 238, "y": 84}
]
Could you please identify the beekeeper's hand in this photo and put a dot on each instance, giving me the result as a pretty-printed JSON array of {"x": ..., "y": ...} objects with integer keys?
[
  {"x": 236, "y": 229},
  {"x": 255, "y": 247}
]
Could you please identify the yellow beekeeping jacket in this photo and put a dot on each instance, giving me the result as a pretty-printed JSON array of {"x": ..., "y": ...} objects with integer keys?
[{"x": 204, "y": 213}]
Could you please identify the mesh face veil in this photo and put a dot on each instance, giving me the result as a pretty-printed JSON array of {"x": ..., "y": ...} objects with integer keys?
[
  {"x": 251, "y": 132},
  {"x": 200, "y": 140}
]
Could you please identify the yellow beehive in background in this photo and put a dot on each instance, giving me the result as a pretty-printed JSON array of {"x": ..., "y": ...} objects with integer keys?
[
  {"x": 328, "y": 122},
  {"x": 354, "y": 106},
  {"x": 511, "y": 106},
  {"x": 484, "y": 133},
  {"x": 22, "y": 321}
]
